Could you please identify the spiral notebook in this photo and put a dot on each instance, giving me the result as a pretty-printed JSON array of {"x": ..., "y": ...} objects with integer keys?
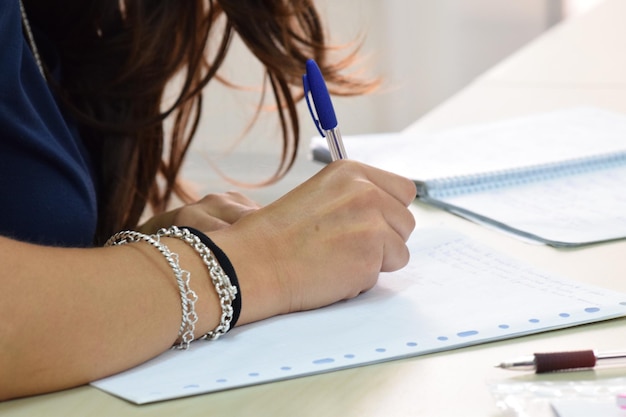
[
  {"x": 555, "y": 178},
  {"x": 454, "y": 292}
]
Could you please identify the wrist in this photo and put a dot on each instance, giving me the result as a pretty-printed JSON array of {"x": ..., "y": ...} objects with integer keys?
[
  {"x": 229, "y": 296},
  {"x": 221, "y": 266},
  {"x": 257, "y": 275}
]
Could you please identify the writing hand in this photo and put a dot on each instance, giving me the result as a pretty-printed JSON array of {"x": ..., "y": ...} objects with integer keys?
[{"x": 325, "y": 241}]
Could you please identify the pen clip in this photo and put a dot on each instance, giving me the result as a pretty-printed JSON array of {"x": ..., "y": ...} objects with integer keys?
[{"x": 312, "y": 109}]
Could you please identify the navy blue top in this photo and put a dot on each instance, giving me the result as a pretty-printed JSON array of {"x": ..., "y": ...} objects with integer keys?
[{"x": 46, "y": 183}]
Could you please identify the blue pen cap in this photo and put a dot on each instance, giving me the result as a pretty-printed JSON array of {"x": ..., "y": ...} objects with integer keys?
[{"x": 321, "y": 97}]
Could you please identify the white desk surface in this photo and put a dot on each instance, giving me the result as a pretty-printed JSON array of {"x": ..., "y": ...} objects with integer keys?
[{"x": 582, "y": 61}]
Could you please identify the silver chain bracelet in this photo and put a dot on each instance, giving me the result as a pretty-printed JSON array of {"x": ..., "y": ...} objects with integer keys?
[
  {"x": 223, "y": 286},
  {"x": 187, "y": 295}
]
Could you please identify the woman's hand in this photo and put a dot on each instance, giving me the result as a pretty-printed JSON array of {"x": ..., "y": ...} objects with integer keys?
[
  {"x": 325, "y": 241},
  {"x": 213, "y": 212}
]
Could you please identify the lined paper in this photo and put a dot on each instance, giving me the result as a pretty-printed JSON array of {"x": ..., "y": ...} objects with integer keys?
[{"x": 454, "y": 293}]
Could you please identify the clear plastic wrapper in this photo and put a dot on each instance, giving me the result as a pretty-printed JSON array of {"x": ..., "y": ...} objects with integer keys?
[{"x": 562, "y": 398}]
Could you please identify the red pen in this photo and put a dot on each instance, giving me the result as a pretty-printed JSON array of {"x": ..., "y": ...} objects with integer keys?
[{"x": 563, "y": 361}]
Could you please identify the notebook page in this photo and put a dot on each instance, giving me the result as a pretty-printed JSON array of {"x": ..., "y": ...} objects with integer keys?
[
  {"x": 453, "y": 293},
  {"x": 562, "y": 211},
  {"x": 529, "y": 140}
]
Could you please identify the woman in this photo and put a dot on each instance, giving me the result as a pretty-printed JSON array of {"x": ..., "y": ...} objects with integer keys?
[{"x": 81, "y": 88}]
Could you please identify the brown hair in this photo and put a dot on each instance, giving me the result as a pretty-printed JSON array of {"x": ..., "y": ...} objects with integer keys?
[{"x": 117, "y": 57}]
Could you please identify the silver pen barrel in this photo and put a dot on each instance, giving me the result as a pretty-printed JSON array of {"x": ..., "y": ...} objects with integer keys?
[{"x": 335, "y": 144}]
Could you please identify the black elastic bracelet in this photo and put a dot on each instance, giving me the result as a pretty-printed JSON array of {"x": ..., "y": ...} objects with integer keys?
[{"x": 228, "y": 269}]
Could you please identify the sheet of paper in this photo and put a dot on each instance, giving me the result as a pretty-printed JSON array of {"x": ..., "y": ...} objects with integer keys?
[
  {"x": 453, "y": 293},
  {"x": 528, "y": 140}
]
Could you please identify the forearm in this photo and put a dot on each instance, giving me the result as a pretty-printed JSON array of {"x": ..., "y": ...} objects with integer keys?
[{"x": 69, "y": 316}]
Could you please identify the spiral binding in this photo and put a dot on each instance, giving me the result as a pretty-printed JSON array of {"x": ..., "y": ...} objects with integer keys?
[{"x": 457, "y": 185}]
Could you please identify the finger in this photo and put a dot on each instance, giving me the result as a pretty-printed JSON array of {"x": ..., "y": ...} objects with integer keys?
[
  {"x": 229, "y": 207},
  {"x": 396, "y": 254},
  {"x": 197, "y": 217},
  {"x": 242, "y": 199},
  {"x": 210, "y": 223},
  {"x": 395, "y": 225},
  {"x": 382, "y": 206},
  {"x": 400, "y": 188}
]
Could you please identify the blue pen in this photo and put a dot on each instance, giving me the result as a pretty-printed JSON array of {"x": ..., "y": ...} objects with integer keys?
[{"x": 321, "y": 109}]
